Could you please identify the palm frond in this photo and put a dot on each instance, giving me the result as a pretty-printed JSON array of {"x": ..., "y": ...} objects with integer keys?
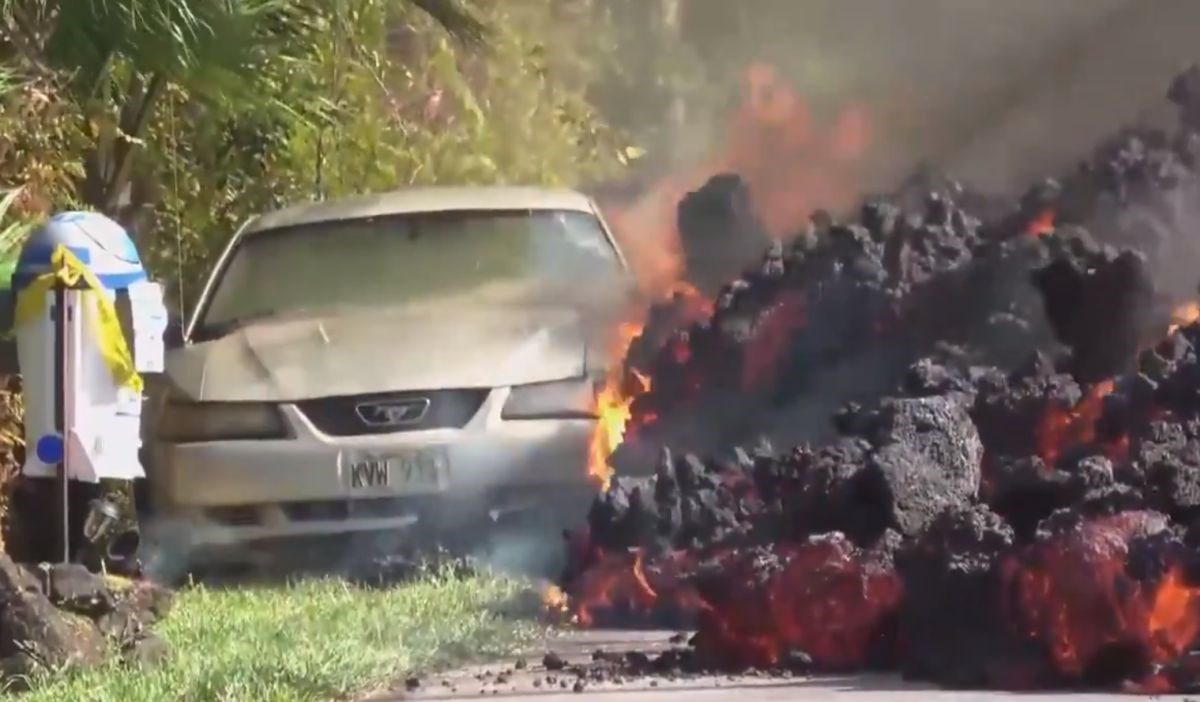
[
  {"x": 213, "y": 45},
  {"x": 10, "y": 79},
  {"x": 14, "y": 233},
  {"x": 9, "y": 199}
]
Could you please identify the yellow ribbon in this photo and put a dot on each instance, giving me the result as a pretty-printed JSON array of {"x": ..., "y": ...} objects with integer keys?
[{"x": 65, "y": 267}]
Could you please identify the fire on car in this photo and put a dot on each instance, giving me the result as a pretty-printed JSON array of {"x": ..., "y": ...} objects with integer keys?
[{"x": 425, "y": 357}]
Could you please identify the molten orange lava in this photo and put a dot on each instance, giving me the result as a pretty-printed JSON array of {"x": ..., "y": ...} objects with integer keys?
[
  {"x": 1063, "y": 428},
  {"x": 1074, "y": 594},
  {"x": 771, "y": 339},
  {"x": 618, "y": 584},
  {"x": 1174, "y": 618},
  {"x": 826, "y": 599}
]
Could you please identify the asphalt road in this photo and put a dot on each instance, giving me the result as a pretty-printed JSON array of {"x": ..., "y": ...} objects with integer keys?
[{"x": 502, "y": 681}]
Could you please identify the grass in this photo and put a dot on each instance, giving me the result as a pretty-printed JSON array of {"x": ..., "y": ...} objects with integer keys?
[{"x": 314, "y": 640}]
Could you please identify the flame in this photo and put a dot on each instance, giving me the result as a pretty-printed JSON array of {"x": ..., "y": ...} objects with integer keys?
[
  {"x": 1184, "y": 314},
  {"x": 620, "y": 583},
  {"x": 613, "y": 409},
  {"x": 614, "y": 401},
  {"x": 639, "y": 577},
  {"x": 695, "y": 304},
  {"x": 648, "y": 235},
  {"x": 1073, "y": 593},
  {"x": 1042, "y": 224},
  {"x": 554, "y": 600},
  {"x": 791, "y": 161}
]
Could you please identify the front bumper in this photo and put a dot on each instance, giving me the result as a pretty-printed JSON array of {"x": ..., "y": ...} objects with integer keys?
[{"x": 230, "y": 492}]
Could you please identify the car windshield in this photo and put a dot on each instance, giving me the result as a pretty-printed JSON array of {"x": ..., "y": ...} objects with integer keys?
[{"x": 407, "y": 258}]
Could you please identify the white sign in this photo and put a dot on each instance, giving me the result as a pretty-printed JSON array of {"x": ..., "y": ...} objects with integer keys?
[{"x": 149, "y": 325}]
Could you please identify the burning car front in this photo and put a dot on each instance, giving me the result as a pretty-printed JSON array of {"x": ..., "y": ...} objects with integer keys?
[{"x": 444, "y": 403}]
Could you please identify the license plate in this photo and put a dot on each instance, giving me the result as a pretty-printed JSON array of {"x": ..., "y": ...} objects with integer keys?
[{"x": 415, "y": 470}]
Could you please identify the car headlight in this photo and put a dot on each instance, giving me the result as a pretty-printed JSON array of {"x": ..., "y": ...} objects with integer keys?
[
  {"x": 574, "y": 398},
  {"x": 186, "y": 422}
]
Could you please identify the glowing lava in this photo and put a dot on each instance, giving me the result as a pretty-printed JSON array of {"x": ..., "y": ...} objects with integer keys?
[
  {"x": 1061, "y": 429},
  {"x": 825, "y": 597},
  {"x": 1183, "y": 315},
  {"x": 1073, "y": 592}
]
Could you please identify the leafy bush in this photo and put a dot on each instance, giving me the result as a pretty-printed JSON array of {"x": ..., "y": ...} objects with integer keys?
[
  {"x": 389, "y": 100},
  {"x": 12, "y": 440}
]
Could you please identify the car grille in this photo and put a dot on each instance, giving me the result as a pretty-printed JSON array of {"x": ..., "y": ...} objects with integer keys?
[
  {"x": 237, "y": 515},
  {"x": 358, "y": 415},
  {"x": 316, "y": 511},
  {"x": 342, "y": 510}
]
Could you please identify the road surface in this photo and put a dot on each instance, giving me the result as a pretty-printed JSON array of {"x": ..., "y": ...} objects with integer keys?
[{"x": 502, "y": 681}]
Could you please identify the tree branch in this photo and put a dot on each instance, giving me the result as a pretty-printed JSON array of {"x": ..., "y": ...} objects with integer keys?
[{"x": 135, "y": 118}]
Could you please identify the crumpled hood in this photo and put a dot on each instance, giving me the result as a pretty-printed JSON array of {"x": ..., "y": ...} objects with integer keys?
[{"x": 444, "y": 345}]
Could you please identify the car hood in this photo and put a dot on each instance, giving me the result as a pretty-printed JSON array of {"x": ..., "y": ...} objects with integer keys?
[{"x": 413, "y": 348}]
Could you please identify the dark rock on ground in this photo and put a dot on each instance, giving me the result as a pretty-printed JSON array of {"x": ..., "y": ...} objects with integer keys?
[
  {"x": 73, "y": 587},
  {"x": 124, "y": 623},
  {"x": 94, "y": 616},
  {"x": 16, "y": 577},
  {"x": 30, "y": 623},
  {"x": 149, "y": 650},
  {"x": 151, "y": 598},
  {"x": 16, "y": 671}
]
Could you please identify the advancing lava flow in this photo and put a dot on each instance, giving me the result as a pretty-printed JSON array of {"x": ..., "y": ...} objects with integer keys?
[
  {"x": 771, "y": 126},
  {"x": 1072, "y": 591},
  {"x": 1003, "y": 485}
]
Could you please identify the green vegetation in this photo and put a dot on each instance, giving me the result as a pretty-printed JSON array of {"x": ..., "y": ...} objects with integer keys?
[
  {"x": 184, "y": 117},
  {"x": 316, "y": 640}
]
